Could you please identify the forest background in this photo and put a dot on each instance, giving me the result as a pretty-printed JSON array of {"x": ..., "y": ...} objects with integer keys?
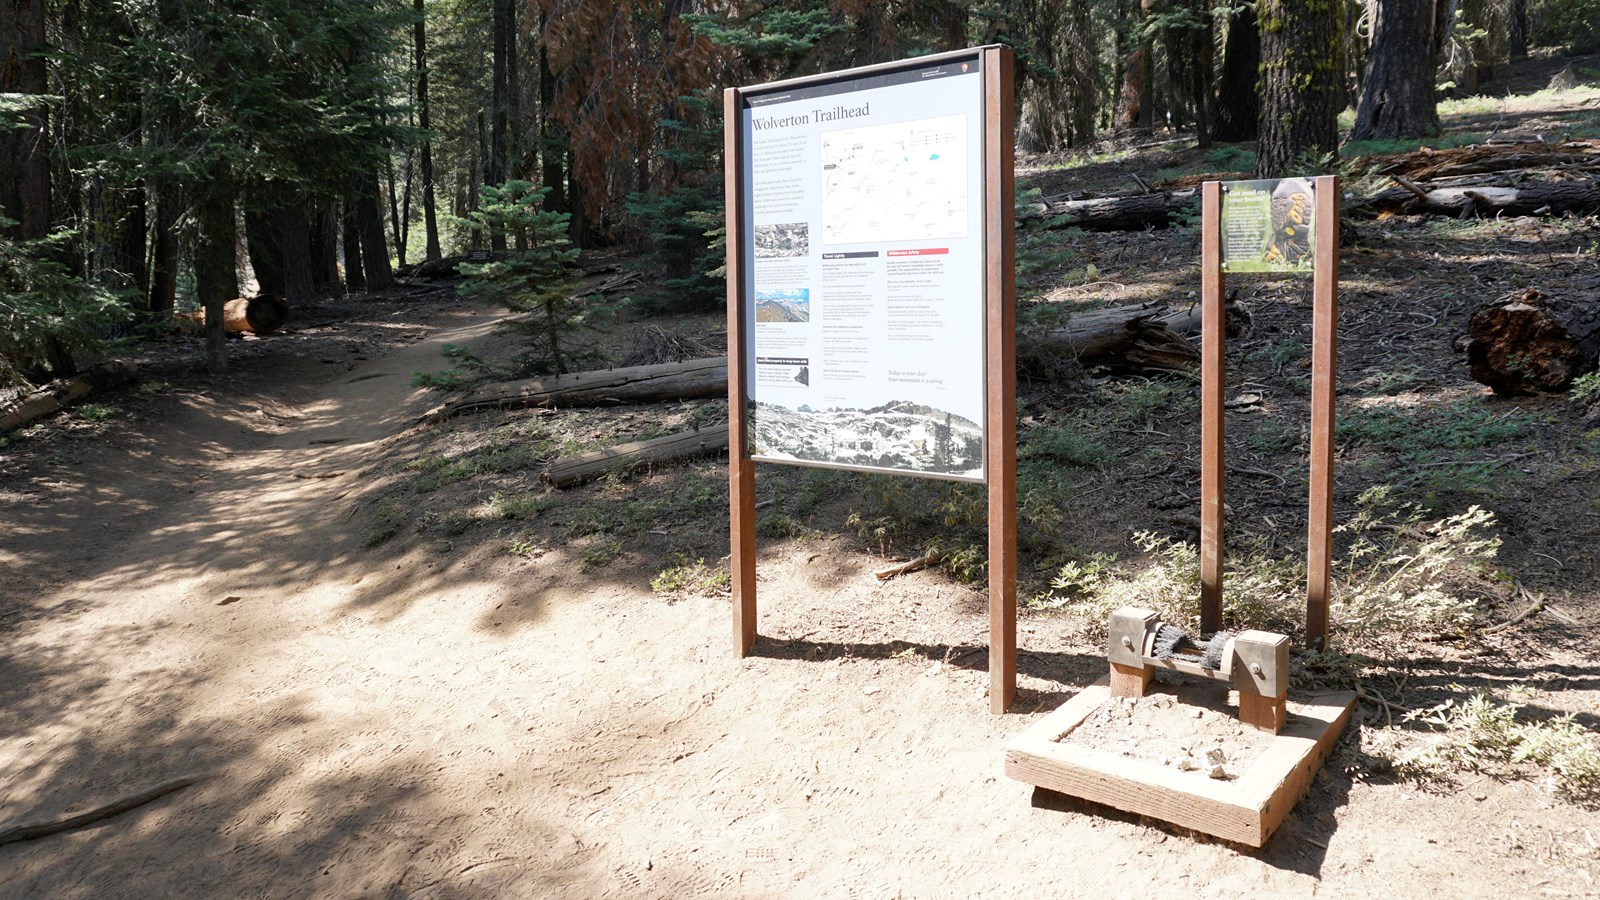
[{"x": 155, "y": 150}]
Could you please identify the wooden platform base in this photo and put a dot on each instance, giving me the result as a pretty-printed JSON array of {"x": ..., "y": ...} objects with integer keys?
[{"x": 1246, "y": 810}]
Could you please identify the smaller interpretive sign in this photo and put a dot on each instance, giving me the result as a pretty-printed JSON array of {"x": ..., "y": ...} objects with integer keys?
[{"x": 1267, "y": 225}]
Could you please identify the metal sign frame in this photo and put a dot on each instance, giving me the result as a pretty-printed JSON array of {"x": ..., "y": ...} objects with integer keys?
[{"x": 999, "y": 389}]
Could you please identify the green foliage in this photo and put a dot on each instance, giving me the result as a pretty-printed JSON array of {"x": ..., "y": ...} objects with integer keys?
[
  {"x": 1570, "y": 22},
  {"x": 682, "y": 224},
  {"x": 466, "y": 372},
  {"x": 44, "y": 310},
  {"x": 1065, "y": 442},
  {"x": 538, "y": 282},
  {"x": 1399, "y": 577},
  {"x": 1586, "y": 389},
  {"x": 95, "y": 412},
  {"x": 773, "y": 38},
  {"x": 686, "y": 577},
  {"x": 1481, "y": 733}
]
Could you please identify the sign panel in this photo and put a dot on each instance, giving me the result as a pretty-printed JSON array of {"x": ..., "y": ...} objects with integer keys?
[
  {"x": 864, "y": 293},
  {"x": 1267, "y": 226}
]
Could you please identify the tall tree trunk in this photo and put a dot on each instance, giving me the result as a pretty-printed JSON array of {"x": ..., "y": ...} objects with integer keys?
[
  {"x": 1518, "y": 39},
  {"x": 430, "y": 217},
  {"x": 1301, "y": 69},
  {"x": 504, "y": 32},
  {"x": 1397, "y": 99},
  {"x": 216, "y": 277},
  {"x": 325, "y": 249},
  {"x": 374, "y": 251},
  {"x": 1083, "y": 72},
  {"x": 24, "y": 152},
  {"x": 1202, "y": 65},
  {"x": 1238, "y": 103},
  {"x": 396, "y": 231},
  {"x": 552, "y": 145},
  {"x": 261, "y": 241},
  {"x": 1134, "y": 106},
  {"x": 164, "y": 269},
  {"x": 294, "y": 236},
  {"x": 355, "y": 279}
]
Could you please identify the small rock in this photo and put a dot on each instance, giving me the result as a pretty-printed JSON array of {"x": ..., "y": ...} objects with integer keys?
[
  {"x": 1186, "y": 765},
  {"x": 1218, "y": 772},
  {"x": 1215, "y": 756},
  {"x": 1197, "y": 713}
]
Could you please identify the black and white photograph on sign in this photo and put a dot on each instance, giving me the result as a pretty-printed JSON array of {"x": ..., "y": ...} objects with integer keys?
[
  {"x": 783, "y": 241},
  {"x": 887, "y": 305},
  {"x": 783, "y": 305},
  {"x": 899, "y": 435}
]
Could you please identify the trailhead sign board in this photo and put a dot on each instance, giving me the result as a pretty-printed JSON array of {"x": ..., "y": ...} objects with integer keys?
[
  {"x": 871, "y": 317},
  {"x": 864, "y": 290}
]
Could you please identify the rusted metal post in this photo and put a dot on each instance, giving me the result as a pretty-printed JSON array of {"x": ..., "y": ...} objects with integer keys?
[{"x": 1213, "y": 337}]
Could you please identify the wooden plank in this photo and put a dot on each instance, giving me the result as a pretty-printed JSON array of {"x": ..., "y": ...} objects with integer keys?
[
  {"x": 1000, "y": 463},
  {"x": 1130, "y": 681},
  {"x": 1245, "y": 811},
  {"x": 1324, "y": 371},
  {"x": 1283, "y": 774},
  {"x": 1213, "y": 336},
  {"x": 741, "y": 470}
]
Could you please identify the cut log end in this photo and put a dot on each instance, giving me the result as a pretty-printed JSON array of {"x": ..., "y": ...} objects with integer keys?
[{"x": 1532, "y": 341}]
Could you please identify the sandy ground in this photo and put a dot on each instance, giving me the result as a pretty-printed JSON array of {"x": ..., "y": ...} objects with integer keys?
[{"x": 191, "y": 597}]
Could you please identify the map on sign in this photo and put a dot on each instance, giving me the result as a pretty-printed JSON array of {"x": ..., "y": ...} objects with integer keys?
[{"x": 897, "y": 182}]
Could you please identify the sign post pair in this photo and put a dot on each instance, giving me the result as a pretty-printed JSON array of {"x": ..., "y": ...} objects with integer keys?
[
  {"x": 871, "y": 316},
  {"x": 1287, "y": 225}
]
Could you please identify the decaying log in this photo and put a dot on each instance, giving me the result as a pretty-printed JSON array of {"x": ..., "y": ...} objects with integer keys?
[
  {"x": 1535, "y": 198},
  {"x": 910, "y": 565},
  {"x": 1534, "y": 341},
  {"x": 571, "y": 470},
  {"x": 1134, "y": 213},
  {"x": 434, "y": 269},
  {"x": 58, "y": 394},
  {"x": 634, "y": 384},
  {"x": 254, "y": 315},
  {"x": 1141, "y": 336}
]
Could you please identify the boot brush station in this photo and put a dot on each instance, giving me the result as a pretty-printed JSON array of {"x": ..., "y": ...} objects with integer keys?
[{"x": 850, "y": 194}]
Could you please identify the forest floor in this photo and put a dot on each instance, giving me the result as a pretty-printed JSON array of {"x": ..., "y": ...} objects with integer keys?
[{"x": 408, "y": 670}]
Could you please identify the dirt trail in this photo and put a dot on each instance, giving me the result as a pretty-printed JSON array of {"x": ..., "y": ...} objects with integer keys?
[{"x": 436, "y": 723}]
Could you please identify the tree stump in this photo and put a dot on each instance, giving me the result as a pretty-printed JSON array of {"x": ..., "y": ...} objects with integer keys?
[{"x": 1534, "y": 341}]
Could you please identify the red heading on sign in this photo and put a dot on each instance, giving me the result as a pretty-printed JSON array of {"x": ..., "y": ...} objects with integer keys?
[{"x": 931, "y": 251}]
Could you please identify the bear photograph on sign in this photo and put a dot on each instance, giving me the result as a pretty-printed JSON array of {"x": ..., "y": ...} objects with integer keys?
[{"x": 1267, "y": 225}]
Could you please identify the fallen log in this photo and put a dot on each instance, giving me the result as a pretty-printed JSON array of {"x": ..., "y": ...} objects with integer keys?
[
  {"x": 1579, "y": 195},
  {"x": 1133, "y": 213},
  {"x": 254, "y": 315},
  {"x": 1533, "y": 341},
  {"x": 571, "y": 470},
  {"x": 1141, "y": 336},
  {"x": 634, "y": 384},
  {"x": 58, "y": 394}
]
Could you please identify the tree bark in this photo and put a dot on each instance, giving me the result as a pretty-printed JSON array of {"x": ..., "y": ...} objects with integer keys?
[
  {"x": 1535, "y": 341},
  {"x": 552, "y": 143},
  {"x": 216, "y": 277},
  {"x": 504, "y": 34},
  {"x": 1531, "y": 198},
  {"x": 266, "y": 254},
  {"x": 24, "y": 152},
  {"x": 1301, "y": 69},
  {"x": 1238, "y": 103},
  {"x": 164, "y": 271},
  {"x": 430, "y": 218},
  {"x": 254, "y": 315},
  {"x": 355, "y": 279},
  {"x": 1134, "y": 213},
  {"x": 374, "y": 250},
  {"x": 1134, "y": 107},
  {"x": 325, "y": 249},
  {"x": 1397, "y": 99}
]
